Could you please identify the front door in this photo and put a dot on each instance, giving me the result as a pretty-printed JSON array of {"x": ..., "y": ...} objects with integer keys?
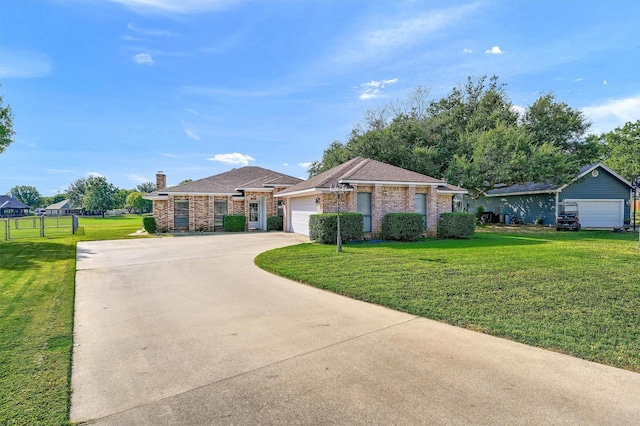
[{"x": 254, "y": 214}]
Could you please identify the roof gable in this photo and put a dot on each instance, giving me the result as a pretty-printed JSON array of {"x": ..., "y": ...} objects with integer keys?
[
  {"x": 232, "y": 181},
  {"x": 366, "y": 171},
  {"x": 64, "y": 204},
  {"x": 7, "y": 202},
  {"x": 537, "y": 187}
]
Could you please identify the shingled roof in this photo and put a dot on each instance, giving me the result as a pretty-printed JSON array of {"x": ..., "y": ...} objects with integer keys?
[
  {"x": 366, "y": 171},
  {"x": 7, "y": 202},
  {"x": 548, "y": 187},
  {"x": 231, "y": 182}
]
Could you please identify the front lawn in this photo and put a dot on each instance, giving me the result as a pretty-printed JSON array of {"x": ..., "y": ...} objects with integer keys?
[
  {"x": 37, "y": 277},
  {"x": 577, "y": 293}
]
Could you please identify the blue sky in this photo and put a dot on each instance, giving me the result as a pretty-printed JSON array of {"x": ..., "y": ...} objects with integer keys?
[{"x": 123, "y": 88}]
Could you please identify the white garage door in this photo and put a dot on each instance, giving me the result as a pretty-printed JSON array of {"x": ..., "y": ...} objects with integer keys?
[
  {"x": 301, "y": 209},
  {"x": 601, "y": 213}
]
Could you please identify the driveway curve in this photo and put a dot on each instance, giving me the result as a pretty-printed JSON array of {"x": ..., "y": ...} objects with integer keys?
[{"x": 188, "y": 331}]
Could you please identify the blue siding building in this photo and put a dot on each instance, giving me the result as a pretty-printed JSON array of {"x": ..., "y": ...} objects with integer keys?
[{"x": 603, "y": 197}]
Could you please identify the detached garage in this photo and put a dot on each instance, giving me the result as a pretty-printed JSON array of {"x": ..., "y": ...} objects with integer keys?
[{"x": 603, "y": 197}]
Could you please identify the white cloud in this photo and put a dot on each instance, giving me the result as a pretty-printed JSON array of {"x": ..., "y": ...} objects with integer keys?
[
  {"x": 169, "y": 155},
  {"x": 23, "y": 64},
  {"x": 372, "y": 89},
  {"x": 466, "y": 50},
  {"x": 392, "y": 36},
  {"x": 175, "y": 6},
  {"x": 305, "y": 165},
  {"x": 613, "y": 113},
  {"x": 520, "y": 110},
  {"x": 285, "y": 164},
  {"x": 149, "y": 32},
  {"x": 134, "y": 177},
  {"x": 191, "y": 134},
  {"x": 130, "y": 38},
  {"x": 495, "y": 50},
  {"x": 233, "y": 158},
  {"x": 604, "y": 82},
  {"x": 143, "y": 59},
  {"x": 58, "y": 171},
  {"x": 578, "y": 79},
  {"x": 94, "y": 175}
]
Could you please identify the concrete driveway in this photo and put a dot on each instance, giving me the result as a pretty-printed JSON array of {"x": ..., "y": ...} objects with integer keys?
[{"x": 188, "y": 331}]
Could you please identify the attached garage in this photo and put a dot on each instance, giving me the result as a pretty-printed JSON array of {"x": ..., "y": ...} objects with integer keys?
[
  {"x": 596, "y": 214},
  {"x": 301, "y": 209}
]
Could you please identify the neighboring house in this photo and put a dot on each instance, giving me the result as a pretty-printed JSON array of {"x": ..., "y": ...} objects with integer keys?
[
  {"x": 603, "y": 198},
  {"x": 10, "y": 207},
  {"x": 373, "y": 189},
  {"x": 203, "y": 204},
  {"x": 62, "y": 208}
]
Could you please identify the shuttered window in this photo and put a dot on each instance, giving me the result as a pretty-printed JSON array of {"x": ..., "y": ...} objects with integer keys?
[{"x": 181, "y": 214}]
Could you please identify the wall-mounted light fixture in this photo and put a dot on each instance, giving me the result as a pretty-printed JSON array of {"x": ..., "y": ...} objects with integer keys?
[{"x": 318, "y": 200}]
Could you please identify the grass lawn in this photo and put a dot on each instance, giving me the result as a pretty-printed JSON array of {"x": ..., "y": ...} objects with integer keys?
[
  {"x": 37, "y": 277},
  {"x": 576, "y": 293}
]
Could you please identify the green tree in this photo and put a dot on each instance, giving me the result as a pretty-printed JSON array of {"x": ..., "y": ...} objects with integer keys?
[
  {"x": 146, "y": 187},
  {"x": 6, "y": 126},
  {"x": 556, "y": 123},
  {"x": 76, "y": 192},
  {"x": 185, "y": 181},
  {"x": 120, "y": 198},
  {"x": 623, "y": 144},
  {"x": 135, "y": 202},
  {"x": 27, "y": 194},
  {"x": 47, "y": 201},
  {"x": 99, "y": 195}
]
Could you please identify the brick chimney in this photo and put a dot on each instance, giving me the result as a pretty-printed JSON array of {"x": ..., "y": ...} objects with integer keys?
[{"x": 161, "y": 180}]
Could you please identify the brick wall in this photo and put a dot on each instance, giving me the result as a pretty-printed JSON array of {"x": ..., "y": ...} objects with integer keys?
[{"x": 390, "y": 199}]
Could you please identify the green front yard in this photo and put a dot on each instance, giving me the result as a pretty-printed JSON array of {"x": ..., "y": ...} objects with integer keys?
[
  {"x": 37, "y": 277},
  {"x": 577, "y": 293}
]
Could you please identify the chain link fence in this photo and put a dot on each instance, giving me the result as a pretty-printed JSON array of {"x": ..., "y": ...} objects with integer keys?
[{"x": 37, "y": 226}]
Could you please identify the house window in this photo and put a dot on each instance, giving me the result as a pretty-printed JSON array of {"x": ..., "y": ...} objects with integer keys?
[
  {"x": 181, "y": 214},
  {"x": 280, "y": 208},
  {"x": 220, "y": 210},
  {"x": 421, "y": 208},
  {"x": 364, "y": 208}
]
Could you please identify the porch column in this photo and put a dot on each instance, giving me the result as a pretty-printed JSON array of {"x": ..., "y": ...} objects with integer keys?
[{"x": 432, "y": 211}]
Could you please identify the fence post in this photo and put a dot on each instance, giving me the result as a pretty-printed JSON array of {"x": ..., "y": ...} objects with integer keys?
[
  {"x": 8, "y": 228},
  {"x": 42, "y": 226},
  {"x": 74, "y": 224}
]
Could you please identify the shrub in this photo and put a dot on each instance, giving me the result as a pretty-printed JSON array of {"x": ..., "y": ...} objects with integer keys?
[
  {"x": 456, "y": 225},
  {"x": 323, "y": 228},
  {"x": 235, "y": 223},
  {"x": 149, "y": 224},
  {"x": 402, "y": 226},
  {"x": 274, "y": 223}
]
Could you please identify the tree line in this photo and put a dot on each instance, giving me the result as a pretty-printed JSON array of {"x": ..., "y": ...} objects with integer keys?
[
  {"x": 90, "y": 194},
  {"x": 475, "y": 138}
]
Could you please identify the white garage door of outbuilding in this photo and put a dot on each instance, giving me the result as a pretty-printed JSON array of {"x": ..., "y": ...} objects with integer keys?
[
  {"x": 301, "y": 209},
  {"x": 600, "y": 213}
]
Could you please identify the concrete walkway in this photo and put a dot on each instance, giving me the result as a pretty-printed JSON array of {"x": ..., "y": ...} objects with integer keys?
[{"x": 188, "y": 331}]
